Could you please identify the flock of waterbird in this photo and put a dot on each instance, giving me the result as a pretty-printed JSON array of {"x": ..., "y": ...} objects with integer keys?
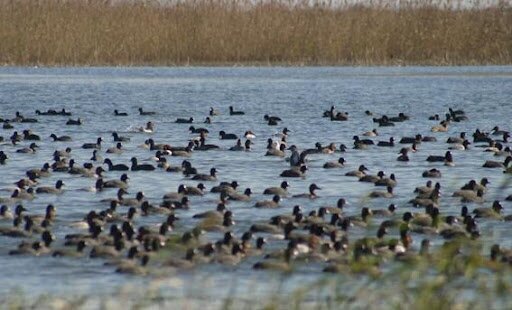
[{"x": 322, "y": 235}]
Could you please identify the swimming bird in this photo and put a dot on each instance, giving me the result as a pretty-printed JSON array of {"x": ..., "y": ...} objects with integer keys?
[
  {"x": 76, "y": 122},
  {"x": 227, "y": 136},
  {"x": 96, "y": 145},
  {"x": 268, "y": 204},
  {"x": 118, "y": 138},
  {"x": 432, "y": 173},
  {"x": 206, "y": 177},
  {"x": 51, "y": 190},
  {"x": 381, "y": 194},
  {"x": 28, "y": 135},
  {"x": 184, "y": 120},
  {"x": 391, "y": 143},
  {"x": 246, "y": 196},
  {"x": 295, "y": 172},
  {"x": 117, "y": 113},
  {"x": 497, "y": 164},
  {"x": 311, "y": 195},
  {"x": 118, "y": 149},
  {"x": 121, "y": 183},
  {"x": 31, "y": 149},
  {"x": 233, "y": 112},
  {"x": 149, "y": 128},
  {"x": 142, "y": 167},
  {"x": 116, "y": 167},
  {"x": 282, "y": 190},
  {"x": 142, "y": 112},
  {"x": 360, "y": 172},
  {"x": 335, "y": 164}
]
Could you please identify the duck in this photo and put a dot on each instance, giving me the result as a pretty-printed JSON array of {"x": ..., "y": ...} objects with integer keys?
[
  {"x": 3, "y": 158},
  {"x": 198, "y": 190},
  {"x": 391, "y": 181},
  {"x": 31, "y": 149},
  {"x": 427, "y": 189},
  {"x": 121, "y": 183},
  {"x": 51, "y": 190},
  {"x": 282, "y": 266},
  {"x": 381, "y": 194},
  {"x": 28, "y": 135},
  {"x": 442, "y": 127},
  {"x": 249, "y": 135},
  {"x": 436, "y": 158},
  {"x": 294, "y": 172},
  {"x": 340, "y": 163},
  {"x": 142, "y": 112},
  {"x": 63, "y": 153},
  {"x": 5, "y": 213},
  {"x": 497, "y": 132},
  {"x": 276, "y": 152},
  {"x": 460, "y": 146},
  {"x": 206, "y": 177},
  {"x": 225, "y": 187},
  {"x": 182, "y": 192},
  {"x": 389, "y": 211},
  {"x": 410, "y": 140},
  {"x": 238, "y": 146},
  {"x": 193, "y": 129},
  {"x": 118, "y": 149},
  {"x": 203, "y": 146},
  {"x": 389, "y": 143},
  {"x": 132, "y": 202},
  {"x": 471, "y": 196},
  {"x": 493, "y": 212},
  {"x": 457, "y": 140},
  {"x": 227, "y": 136},
  {"x": 246, "y": 196},
  {"x": 149, "y": 128},
  {"x": 268, "y": 204},
  {"x": 116, "y": 167},
  {"x": 497, "y": 164},
  {"x": 233, "y": 112},
  {"x": 432, "y": 173},
  {"x": 76, "y": 122},
  {"x": 118, "y": 138},
  {"x": 78, "y": 252},
  {"x": 216, "y": 215},
  {"x": 357, "y": 140},
  {"x": 311, "y": 195},
  {"x": 282, "y": 190},
  {"x": 142, "y": 167},
  {"x": 184, "y": 120},
  {"x": 213, "y": 112},
  {"x": 427, "y": 199},
  {"x": 95, "y": 156},
  {"x": 340, "y": 116},
  {"x": 72, "y": 169},
  {"x": 372, "y": 133},
  {"x": 117, "y": 113},
  {"x": 133, "y": 268},
  {"x": 372, "y": 178},
  {"x": 360, "y": 172},
  {"x": 96, "y": 145}
]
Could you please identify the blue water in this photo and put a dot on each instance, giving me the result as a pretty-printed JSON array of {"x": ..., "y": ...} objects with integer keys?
[{"x": 298, "y": 95}]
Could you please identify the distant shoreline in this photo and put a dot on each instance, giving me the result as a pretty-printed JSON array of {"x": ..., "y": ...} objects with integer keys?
[{"x": 54, "y": 33}]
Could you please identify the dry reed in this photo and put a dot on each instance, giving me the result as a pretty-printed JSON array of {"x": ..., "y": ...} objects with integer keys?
[{"x": 216, "y": 32}]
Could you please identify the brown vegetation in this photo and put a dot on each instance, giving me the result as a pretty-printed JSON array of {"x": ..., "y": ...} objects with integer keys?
[{"x": 215, "y": 32}]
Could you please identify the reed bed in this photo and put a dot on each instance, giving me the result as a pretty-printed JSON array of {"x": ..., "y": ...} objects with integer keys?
[{"x": 220, "y": 32}]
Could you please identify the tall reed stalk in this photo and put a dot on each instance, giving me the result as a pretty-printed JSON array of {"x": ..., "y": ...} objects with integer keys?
[{"x": 217, "y": 32}]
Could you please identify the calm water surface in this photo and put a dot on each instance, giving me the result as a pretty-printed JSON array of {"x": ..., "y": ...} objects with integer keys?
[{"x": 298, "y": 95}]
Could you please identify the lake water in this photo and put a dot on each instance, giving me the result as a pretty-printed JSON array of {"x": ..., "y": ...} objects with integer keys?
[{"x": 299, "y": 96}]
